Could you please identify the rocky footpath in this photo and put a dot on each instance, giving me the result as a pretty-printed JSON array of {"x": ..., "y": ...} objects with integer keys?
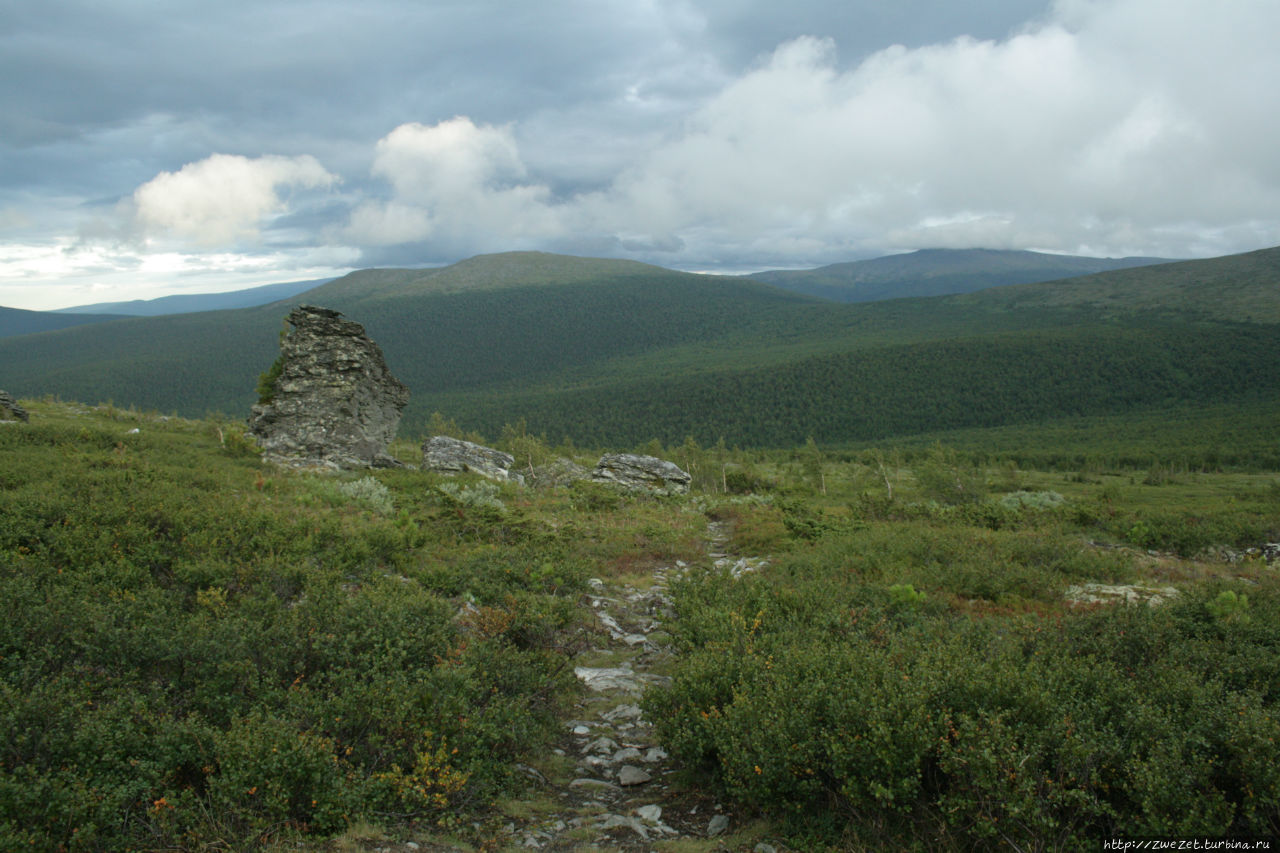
[
  {"x": 608, "y": 784},
  {"x": 616, "y": 787}
]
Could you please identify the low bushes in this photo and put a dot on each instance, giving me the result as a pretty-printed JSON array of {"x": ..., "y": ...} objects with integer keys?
[
  {"x": 196, "y": 650},
  {"x": 839, "y": 704}
]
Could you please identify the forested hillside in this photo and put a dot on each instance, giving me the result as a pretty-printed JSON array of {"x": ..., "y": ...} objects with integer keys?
[
  {"x": 16, "y": 321},
  {"x": 1238, "y": 287},
  {"x": 938, "y": 272},
  {"x": 899, "y": 390},
  {"x": 462, "y": 337},
  {"x": 184, "y": 303},
  {"x": 618, "y": 352}
]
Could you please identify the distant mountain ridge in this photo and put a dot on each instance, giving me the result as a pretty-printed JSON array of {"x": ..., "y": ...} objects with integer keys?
[
  {"x": 19, "y": 321},
  {"x": 487, "y": 272},
  {"x": 613, "y": 353},
  {"x": 939, "y": 272},
  {"x": 185, "y": 303}
]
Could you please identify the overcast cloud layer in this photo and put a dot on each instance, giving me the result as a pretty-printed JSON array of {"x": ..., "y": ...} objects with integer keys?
[{"x": 225, "y": 145}]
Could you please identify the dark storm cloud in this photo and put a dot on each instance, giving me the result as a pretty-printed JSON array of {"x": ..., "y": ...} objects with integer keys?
[
  {"x": 745, "y": 29},
  {"x": 162, "y": 85},
  {"x": 291, "y": 77}
]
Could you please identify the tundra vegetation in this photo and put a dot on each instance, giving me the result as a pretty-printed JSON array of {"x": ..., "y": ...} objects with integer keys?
[{"x": 199, "y": 651}]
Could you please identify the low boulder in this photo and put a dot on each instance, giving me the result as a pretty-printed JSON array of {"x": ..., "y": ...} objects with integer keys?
[
  {"x": 1101, "y": 593},
  {"x": 454, "y": 456},
  {"x": 10, "y": 410},
  {"x": 559, "y": 472},
  {"x": 1268, "y": 552},
  {"x": 636, "y": 473}
]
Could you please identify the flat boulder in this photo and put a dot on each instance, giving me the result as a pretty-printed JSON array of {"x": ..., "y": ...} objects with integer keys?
[
  {"x": 454, "y": 456},
  {"x": 636, "y": 473},
  {"x": 1102, "y": 593},
  {"x": 334, "y": 403},
  {"x": 10, "y": 410}
]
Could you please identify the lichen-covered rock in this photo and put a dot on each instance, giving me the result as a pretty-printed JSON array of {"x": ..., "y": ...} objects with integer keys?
[
  {"x": 1101, "y": 593},
  {"x": 559, "y": 472},
  {"x": 455, "y": 456},
  {"x": 334, "y": 404},
  {"x": 641, "y": 474},
  {"x": 10, "y": 410},
  {"x": 1268, "y": 552}
]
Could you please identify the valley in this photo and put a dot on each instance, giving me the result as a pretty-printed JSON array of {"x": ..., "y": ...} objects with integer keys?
[{"x": 594, "y": 350}]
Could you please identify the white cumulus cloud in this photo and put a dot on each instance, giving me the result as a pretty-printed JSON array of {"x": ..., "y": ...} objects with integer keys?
[
  {"x": 457, "y": 183},
  {"x": 1104, "y": 127},
  {"x": 1110, "y": 127},
  {"x": 224, "y": 198}
]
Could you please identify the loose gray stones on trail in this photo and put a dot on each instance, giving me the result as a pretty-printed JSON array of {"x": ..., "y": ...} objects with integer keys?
[
  {"x": 629, "y": 775},
  {"x": 335, "y": 403},
  {"x": 620, "y": 786},
  {"x": 650, "y": 813},
  {"x": 621, "y": 678}
]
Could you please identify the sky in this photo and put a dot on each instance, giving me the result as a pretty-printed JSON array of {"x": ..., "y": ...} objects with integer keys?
[{"x": 150, "y": 148}]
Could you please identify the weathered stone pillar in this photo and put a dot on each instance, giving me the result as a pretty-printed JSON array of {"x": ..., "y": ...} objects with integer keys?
[{"x": 334, "y": 404}]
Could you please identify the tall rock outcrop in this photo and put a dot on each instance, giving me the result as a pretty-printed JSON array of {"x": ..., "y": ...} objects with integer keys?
[
  {"x": 334, "y": 403},
  {"x": 10, "y": 410}
]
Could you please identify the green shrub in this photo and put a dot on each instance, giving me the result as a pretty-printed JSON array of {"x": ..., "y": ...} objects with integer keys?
[
  {"x": 744, "y": 481},
  {"x": 595, "y": 497},
  {"x": 266, "y": 387},
  {"x": 803, "y": 521},
  {"x": 236, "y": 443},
  {"x": 1188, "y": 534},
  {"x": 479, "y": 495},
  {"x": 803, "y": 695},
  {"x": 944, "y": 477},
  {"x": 368, "y": 492},
  {"x": 904, "y": 595},
  {"x": 268, "y": 774},
  {"x": 1229, "y": 605},
  {"x": 1032, "y": 500},
  {"x": 194, "y": 654}
]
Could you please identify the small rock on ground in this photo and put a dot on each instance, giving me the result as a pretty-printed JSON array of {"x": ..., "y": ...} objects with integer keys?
[{"x": 629, "y": 775}]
